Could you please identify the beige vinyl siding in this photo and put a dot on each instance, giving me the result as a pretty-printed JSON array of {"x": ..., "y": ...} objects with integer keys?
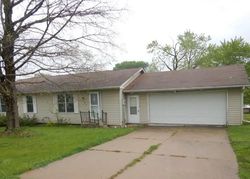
[
  {"x": 143, "y": 105},
  {"x": 45, "y": 108},
  {"x": 234, "y": 106},
  {"x": 111, "y": 104},
  {"x": 235, "y": 110}
]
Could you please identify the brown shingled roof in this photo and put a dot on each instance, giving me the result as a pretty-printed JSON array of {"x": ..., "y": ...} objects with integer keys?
[
  {"x": 204, "y": 78},
  {"x": 75, "y": 82}
]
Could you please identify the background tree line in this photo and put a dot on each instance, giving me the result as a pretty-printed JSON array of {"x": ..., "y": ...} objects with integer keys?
[{"x": 191, "y": 50}]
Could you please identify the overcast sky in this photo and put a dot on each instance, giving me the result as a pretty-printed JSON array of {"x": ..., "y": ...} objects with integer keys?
[{"x": 163, "y": 20}]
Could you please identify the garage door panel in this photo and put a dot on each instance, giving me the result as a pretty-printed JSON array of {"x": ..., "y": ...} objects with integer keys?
[{"x": 188, "y": 108}]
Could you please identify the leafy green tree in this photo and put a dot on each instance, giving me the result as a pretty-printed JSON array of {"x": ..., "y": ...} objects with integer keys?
[
  {"x": 130, "y": 64},
  {"x": 182, "y": 54},
  {"x": 234, "y": 51},
  {"x": 247, "y": 96}
]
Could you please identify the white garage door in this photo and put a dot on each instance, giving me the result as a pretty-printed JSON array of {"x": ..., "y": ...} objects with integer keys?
[{"x": 188, "y": 108}]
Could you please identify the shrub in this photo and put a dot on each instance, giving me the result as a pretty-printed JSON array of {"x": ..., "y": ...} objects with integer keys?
[
  {"x": 63, "y": 121},
  {"x": 3, "y": 120},
  {"x": 26, "y": 120},
  {"x": 50, "y": 123}
]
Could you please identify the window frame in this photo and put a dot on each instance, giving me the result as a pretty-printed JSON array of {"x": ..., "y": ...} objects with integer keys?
[
  {"x": 65, "y": 103},
  {"x": 98, "y": 103},
  {"x": 133, "y": 106},
  {"x": 30, "y": 103}
]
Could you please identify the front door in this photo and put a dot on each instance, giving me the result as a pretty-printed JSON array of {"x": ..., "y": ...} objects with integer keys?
[
  {"x": 133, "y": 109},
  {"x": 94, "y": 105}
]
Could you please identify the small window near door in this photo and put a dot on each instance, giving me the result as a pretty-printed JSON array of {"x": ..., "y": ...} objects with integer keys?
[
  {"x": 29, "y": 102},
  {"x": 94, "y": 103},
  {"x": 133, "y": 105}
]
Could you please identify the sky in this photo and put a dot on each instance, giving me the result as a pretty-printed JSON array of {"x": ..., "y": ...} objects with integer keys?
[{"x": 163, "y": 20}]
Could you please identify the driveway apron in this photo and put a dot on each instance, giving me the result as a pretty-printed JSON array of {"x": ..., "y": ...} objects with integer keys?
[{"x": 184, "y": 152}]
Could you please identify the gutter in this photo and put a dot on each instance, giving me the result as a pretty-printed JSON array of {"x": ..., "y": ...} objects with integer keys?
[
  {"x": 122, "y": 86},
  {"x": 77, "y": 90},
  {"x": 186, "y": 89}
]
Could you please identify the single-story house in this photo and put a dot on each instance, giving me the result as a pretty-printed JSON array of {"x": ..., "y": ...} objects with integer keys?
[{"x": 209, "y": 96}]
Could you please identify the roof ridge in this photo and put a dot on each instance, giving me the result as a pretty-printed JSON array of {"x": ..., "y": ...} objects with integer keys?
[
  {"x": 44, "y": 76},
  {"x": 229, "y": 75},
  {"x": 197, "y": 69}
]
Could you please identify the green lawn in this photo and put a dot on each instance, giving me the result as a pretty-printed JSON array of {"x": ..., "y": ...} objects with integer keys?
[
  {"x": 19, "y": 154},
  {"x": 247, "y": 117},
  {"x": 240, "y": 140}
]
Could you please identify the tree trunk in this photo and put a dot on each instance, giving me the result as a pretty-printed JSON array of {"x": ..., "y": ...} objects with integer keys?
[
  {"x": 11, "y": 108},
  {"x": 8, "y": 82}
]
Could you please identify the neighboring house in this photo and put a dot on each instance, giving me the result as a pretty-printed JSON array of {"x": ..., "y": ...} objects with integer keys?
[
  {"x": 246, "y": 108},
  {"x": 211, "y": 96}
]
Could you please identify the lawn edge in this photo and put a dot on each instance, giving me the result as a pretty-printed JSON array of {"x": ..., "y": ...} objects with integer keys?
[{"x": 75, "y": 151}]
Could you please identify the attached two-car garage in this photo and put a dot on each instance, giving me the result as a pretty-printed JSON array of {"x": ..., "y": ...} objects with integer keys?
[
  {"x": 204, "y": 96},
  {"x": 199, "y": 107}
]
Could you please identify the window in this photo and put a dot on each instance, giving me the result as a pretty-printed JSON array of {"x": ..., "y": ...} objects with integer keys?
[
  {"x": 133, "y": 105},
  {"x": 2, "y": 106},
  {"x": 65, "y": 103},
  {"x": 29, "y": 102},
  {"x": 94, "y": 103}
]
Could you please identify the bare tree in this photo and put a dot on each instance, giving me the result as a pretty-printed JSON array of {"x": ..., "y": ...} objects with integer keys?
[
  {"x": 182, "y": 54},
  {"x": 47, "y": 35},
  {"x": 167, "y": 56}
]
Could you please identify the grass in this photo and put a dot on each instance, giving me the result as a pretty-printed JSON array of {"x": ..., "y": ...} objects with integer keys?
[
  {"x": 135, "y": 161},
  {"x": 240, "y": 140},
  {"x": 46, "y": 144},
  {"x": 247, "y": 117}
]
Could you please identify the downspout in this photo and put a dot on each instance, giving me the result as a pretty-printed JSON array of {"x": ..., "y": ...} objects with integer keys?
[
  {"x": 122, "y": 122},
  {"x": 242, "y": 111},
  {"x": 227, "y": 110}
]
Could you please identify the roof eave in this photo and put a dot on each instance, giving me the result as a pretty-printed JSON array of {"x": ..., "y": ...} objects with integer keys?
[
  {"x": 77, "y": 90},
  {"x": 186, "y": 89}
]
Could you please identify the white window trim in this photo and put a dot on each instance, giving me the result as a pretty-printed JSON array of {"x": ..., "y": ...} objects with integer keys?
[
  {"x": 75, "y": 100},
  {"x": 55, "y": 99},
  {"x": 25, "y": 110},
  {"x": 98, "y": 100}
]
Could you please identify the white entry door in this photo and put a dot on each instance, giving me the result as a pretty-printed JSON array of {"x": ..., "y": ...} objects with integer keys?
[
  {"x": 133, "y": 109},
  {"x": 94, "y": 104}
]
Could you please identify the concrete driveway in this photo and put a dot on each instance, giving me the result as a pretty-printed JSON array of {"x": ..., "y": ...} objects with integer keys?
[{"x": 184, "y": 152}]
